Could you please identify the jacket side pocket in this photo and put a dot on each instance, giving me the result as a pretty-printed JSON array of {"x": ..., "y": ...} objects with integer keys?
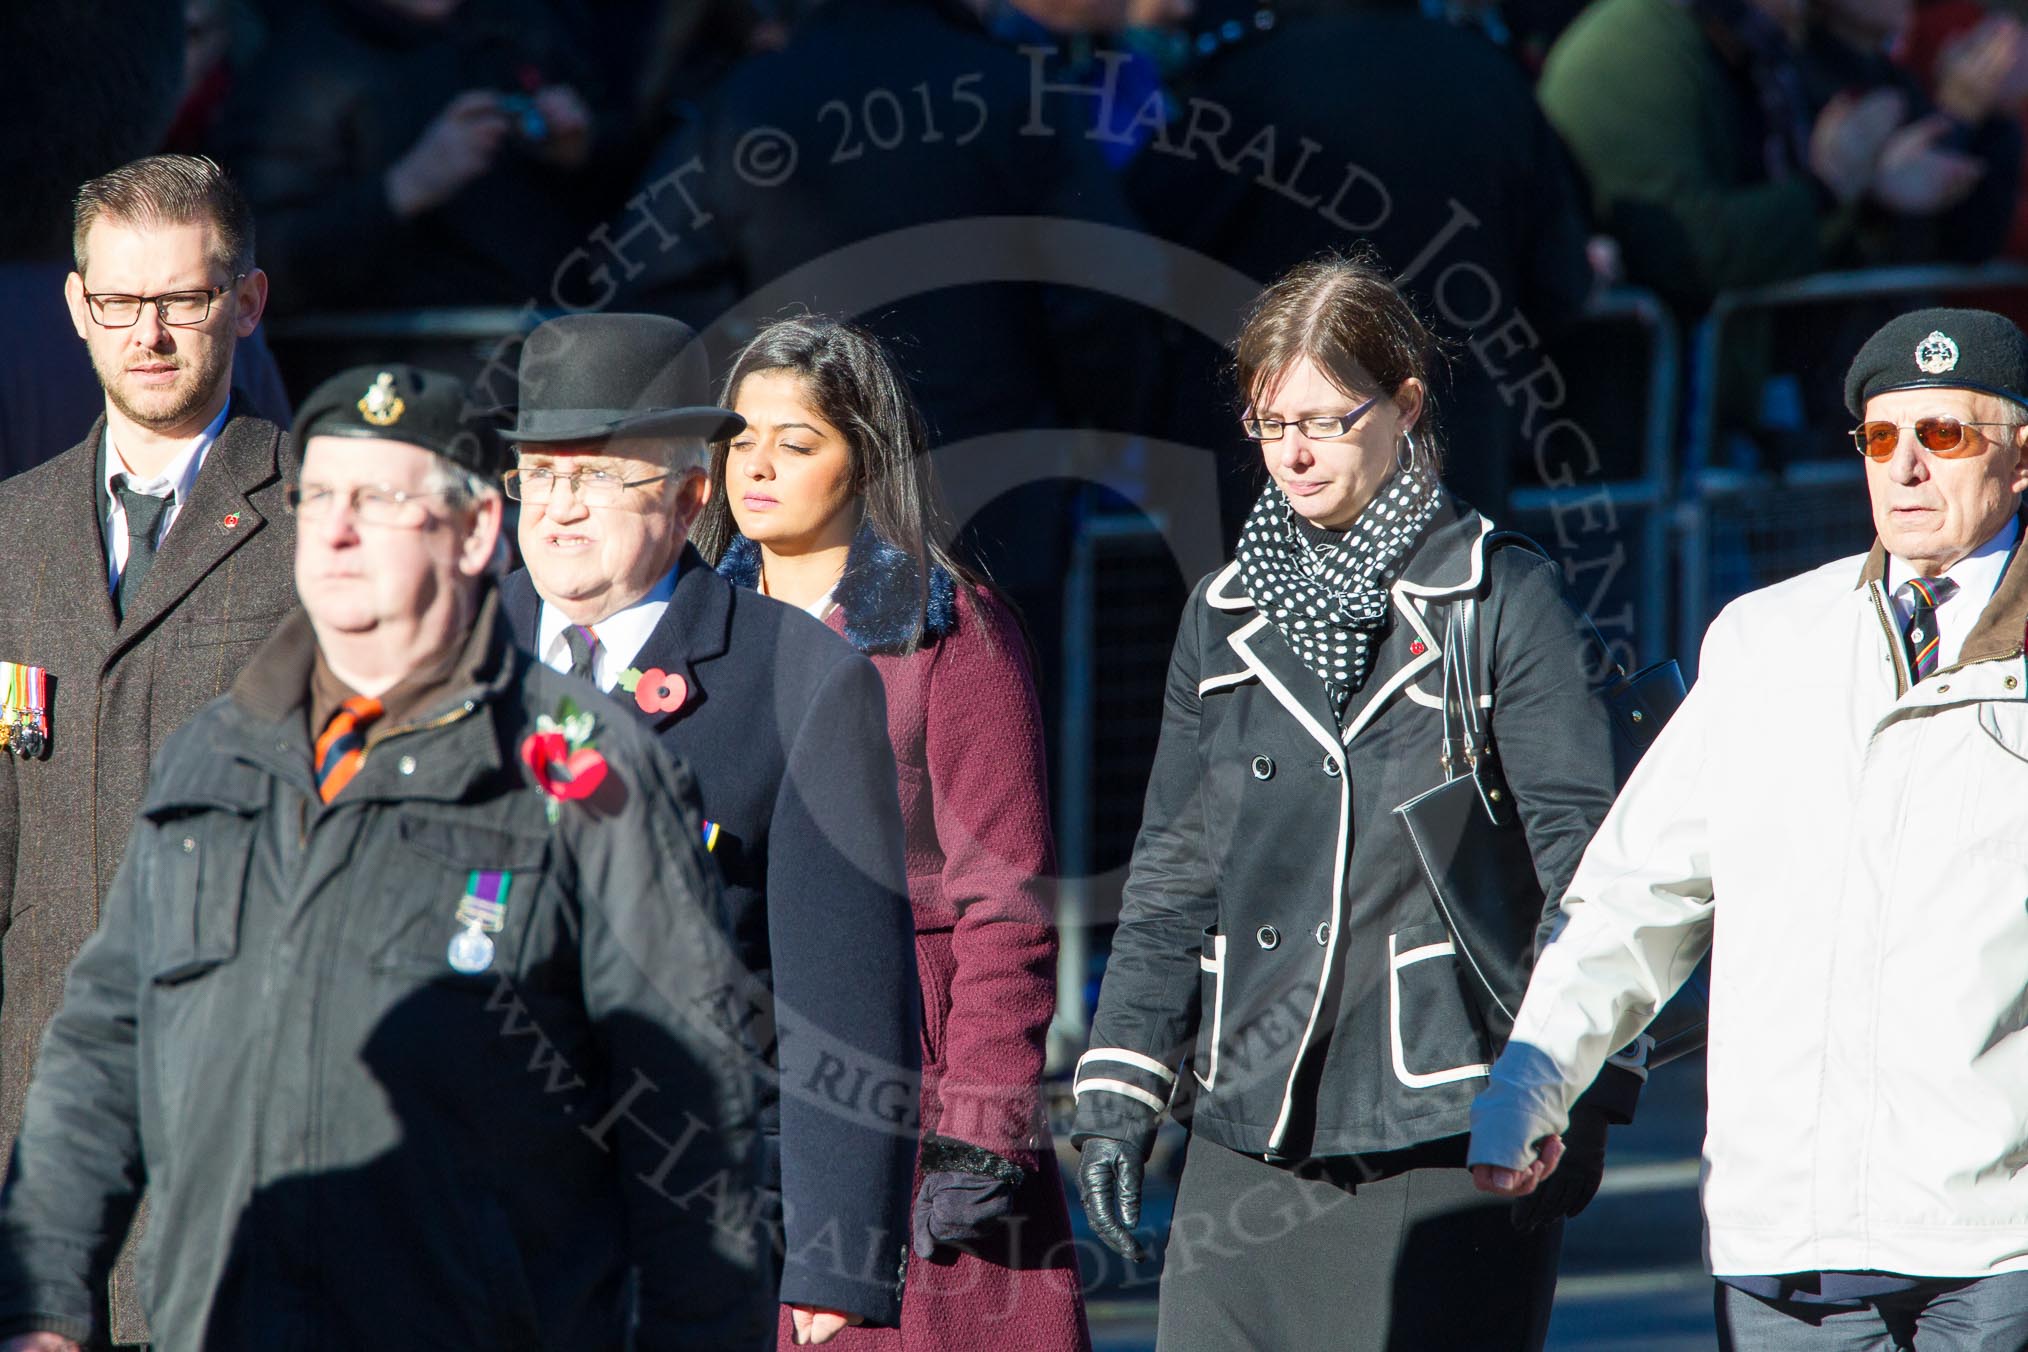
[
  {"x": 1427, "y": 1024},
  {"x": 1211, "y": 979}
]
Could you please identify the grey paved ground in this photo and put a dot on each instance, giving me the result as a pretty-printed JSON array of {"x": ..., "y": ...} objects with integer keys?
[{"x": 1632, "y": 1276}]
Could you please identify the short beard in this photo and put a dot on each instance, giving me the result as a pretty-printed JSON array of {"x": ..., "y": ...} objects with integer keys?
[{"x": 192, "y": 402}]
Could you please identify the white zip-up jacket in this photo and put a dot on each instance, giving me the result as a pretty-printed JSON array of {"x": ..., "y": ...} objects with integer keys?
[{"x": 1867, "y": 847}]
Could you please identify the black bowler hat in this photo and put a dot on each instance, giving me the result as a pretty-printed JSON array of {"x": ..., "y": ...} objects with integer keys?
[
  {"x": 586, "y": 377},
  {"x": 398, "y": 402},
  {"x": 1941, "y": 349}
]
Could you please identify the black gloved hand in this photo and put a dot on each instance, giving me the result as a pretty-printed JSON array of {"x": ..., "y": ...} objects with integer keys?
[
  {"x": 964, "y": 1189},
  {"x": 1569, "y": 1190},
  {"x": 1109, "y": 1183}
]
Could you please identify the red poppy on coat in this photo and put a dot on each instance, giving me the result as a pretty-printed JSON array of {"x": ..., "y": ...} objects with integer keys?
[
  {"x": 560, "y": 772},
  {"x": 660, "y": 692}
]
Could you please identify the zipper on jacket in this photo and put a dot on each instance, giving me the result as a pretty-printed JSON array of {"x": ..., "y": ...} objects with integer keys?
[{"x": 1904, "y": 679}]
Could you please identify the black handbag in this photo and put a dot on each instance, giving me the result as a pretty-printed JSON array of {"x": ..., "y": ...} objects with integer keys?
[{"x": 1472, "y": 850}]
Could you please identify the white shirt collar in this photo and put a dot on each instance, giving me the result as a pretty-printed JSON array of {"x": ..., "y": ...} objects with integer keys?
[
  {"x": 1978, "y": 576},
  {"x": 621, "y": 635},
  {"x": 178, "y": 477}
]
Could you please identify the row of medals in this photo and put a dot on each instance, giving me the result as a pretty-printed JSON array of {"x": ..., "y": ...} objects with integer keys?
[{"x": 21, "y": 733}]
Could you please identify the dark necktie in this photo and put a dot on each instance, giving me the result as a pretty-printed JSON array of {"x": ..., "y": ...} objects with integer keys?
[
  {"x": 584, "y": 647},
  {"x": 144, "y": 514},
  {"x": 342, "y": 748},
  {"x": 1921, "y": 596}
]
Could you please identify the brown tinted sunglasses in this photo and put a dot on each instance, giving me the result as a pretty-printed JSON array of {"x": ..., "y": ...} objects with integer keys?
[{"x": 1942, "y": 437}]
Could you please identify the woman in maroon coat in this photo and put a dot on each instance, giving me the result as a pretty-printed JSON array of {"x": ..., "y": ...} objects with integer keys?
[{"x": 824, "y": 501}]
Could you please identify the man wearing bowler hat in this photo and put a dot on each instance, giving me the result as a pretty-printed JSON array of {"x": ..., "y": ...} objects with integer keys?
[
  {"x": 404, "y": 1002},
  {"x": 1848, "y": 784},
  {"x": 785, "y": 728}
]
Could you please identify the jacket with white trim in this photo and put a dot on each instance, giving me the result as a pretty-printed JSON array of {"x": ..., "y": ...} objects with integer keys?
[
  {"x": 1275, "y": 934},
  {"x": 1868, "y": 839}
]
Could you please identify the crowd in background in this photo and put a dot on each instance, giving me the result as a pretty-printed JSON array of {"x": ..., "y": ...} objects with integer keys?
[{"x": 585, "y": 153}]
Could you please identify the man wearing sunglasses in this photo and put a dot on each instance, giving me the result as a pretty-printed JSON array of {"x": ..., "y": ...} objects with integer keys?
[
  {"x": 144, "y": 566},
  {"x": 1848, "y": 785}
]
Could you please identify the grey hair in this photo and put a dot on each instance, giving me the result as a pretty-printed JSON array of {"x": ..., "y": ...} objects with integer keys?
[
  {"x": 464, "y": 489},
  {"x": 687, "y": 453},
  {"x": 461, "y": 487},
  {"x": 169, "y": 190}
]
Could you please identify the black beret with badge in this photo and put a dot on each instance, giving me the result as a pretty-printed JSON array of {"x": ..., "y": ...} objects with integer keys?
[
  {"x": 398, "y": 402},
  {"x": 1941, "y": 349}
]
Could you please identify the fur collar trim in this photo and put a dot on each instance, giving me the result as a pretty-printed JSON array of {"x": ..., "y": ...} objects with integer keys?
[{"x": 878, "y": 593}]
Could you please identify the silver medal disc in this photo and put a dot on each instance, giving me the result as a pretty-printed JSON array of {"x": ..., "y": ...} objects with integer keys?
[{"x": 471, "y": 951}]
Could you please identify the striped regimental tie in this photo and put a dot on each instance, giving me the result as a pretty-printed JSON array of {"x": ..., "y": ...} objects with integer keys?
[
  {"x": 342, "y": 748},
  {"x": 1920, "y": 596}
]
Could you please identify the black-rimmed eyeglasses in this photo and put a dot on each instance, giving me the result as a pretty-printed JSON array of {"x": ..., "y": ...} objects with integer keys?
[
  {"x": 1322, "y": 428},
  {"x": 178, "y": 309}
]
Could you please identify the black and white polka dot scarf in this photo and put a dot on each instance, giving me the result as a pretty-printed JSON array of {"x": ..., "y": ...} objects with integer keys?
[{"x": 1326, "y": 591}]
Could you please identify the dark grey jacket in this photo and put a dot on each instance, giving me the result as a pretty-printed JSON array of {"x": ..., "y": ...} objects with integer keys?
[
  {"x": 346, "y": 1142},
  {"x": 223, "y": 579},
  {"x": 1274, "y": 918}
]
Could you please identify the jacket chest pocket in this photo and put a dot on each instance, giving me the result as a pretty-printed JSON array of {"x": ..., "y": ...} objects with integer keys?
[
  {"x": 197, "y": 895},
  {"x": 456, "y": 899}
]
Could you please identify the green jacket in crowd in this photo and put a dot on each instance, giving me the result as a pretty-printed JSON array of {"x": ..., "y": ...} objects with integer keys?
[{"x": 1662, "y": 127}]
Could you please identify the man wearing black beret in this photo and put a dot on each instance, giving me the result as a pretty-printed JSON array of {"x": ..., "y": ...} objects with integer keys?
[
  {"x": 1848, "y": 782},
  {"x": 406, "y": 999}
]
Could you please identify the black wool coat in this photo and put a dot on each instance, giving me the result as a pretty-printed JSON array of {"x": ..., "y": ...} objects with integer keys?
[
  {"x": 1276, "y": 934},
  {"x": 785, "y": 729}
]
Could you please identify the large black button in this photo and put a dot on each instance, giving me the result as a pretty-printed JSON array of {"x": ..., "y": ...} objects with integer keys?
[
  {"x": 1267, "y": 936},
  {"x": 1263, "y": 767}
]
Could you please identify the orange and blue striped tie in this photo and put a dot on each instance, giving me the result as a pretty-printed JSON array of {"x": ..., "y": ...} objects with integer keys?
[
  {"x": 342, "y": 748},
  {"x": 1920, "y": 596}
]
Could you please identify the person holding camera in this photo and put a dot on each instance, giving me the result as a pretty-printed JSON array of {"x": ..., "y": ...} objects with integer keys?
[
  {"x": 419, "y": 152},
  {"x": 1277, "y": 937}
]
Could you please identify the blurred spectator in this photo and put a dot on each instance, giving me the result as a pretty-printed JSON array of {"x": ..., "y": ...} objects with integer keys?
[
  {"x": 1944, "y": 185},
  {"x": 658, "y": 56},
  {"x": 1974, "y": 64},
  {"x": 208, "y": 47},
  {"x": 417, "y": 152},
  {"x": 884, "y": 116},
  {"x": 1325, "y": 135},
  {"x": 1707, "y": 159},
  {"x": 893, "y": 114},
  {"x": 107, "y": 76}
]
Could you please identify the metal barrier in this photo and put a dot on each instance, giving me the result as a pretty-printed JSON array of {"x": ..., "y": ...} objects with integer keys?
[
  {"x": 1737, "y": 531},
  {"x": 1649, "y": 495}
]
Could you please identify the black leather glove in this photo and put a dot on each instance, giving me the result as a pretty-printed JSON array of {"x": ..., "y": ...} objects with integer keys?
[
  {"x": 1569, "y": 1190},
  {"x": 1109, "y": 1183},
  {"x": 964, "y": 1189}
]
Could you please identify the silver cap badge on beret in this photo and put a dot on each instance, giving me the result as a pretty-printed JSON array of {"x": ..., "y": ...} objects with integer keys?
[
  {"x": 1936, "y": 354},
  {"x": 382, "y": 407}
]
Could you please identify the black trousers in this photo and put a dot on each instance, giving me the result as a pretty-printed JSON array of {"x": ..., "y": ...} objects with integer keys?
[{"x": 1392, "y": 1253}]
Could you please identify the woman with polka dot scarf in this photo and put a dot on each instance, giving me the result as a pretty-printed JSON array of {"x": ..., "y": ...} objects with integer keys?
[{"x": 1279, "y": 963}]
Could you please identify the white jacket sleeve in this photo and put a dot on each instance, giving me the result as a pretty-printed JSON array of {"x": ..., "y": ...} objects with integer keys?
[{"x": 1636, "y": 921}]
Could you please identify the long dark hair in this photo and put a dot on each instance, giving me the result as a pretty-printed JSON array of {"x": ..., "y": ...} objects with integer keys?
[{"x": 850, "y": 380}]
